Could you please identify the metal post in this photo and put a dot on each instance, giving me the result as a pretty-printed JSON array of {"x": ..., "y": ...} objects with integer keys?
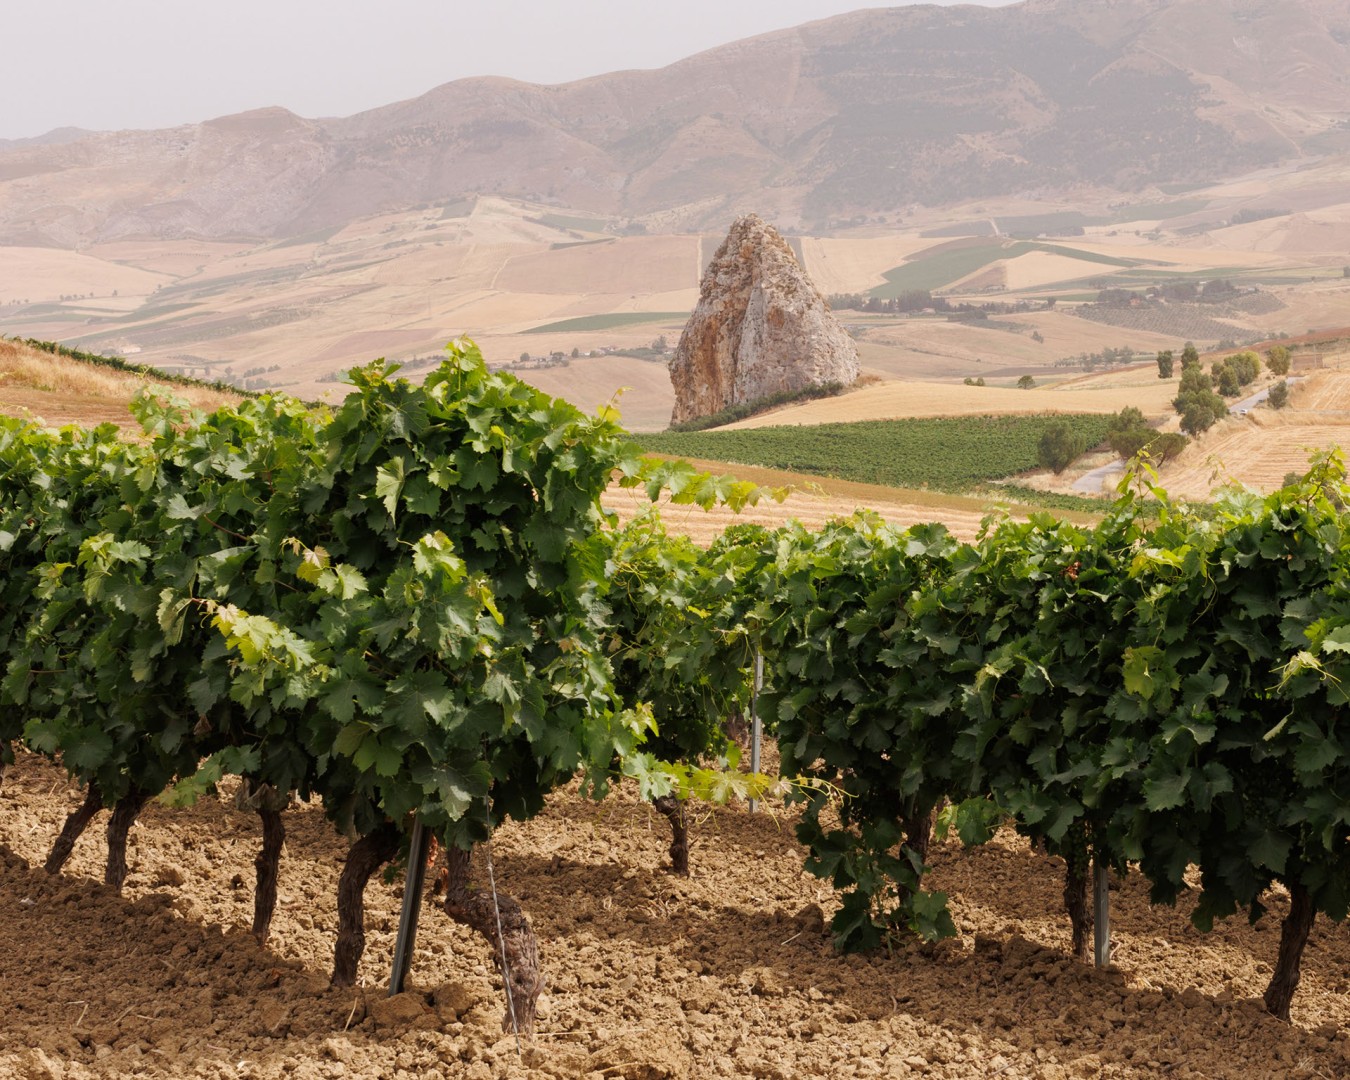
[
  {"x": 1101, "y": 913},
  {"x": 756, "y": 728},
  {"x": 418, "y": 846}
]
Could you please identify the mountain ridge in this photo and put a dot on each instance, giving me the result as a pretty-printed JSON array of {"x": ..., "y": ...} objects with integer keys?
[{"x": 859, "y": 116}]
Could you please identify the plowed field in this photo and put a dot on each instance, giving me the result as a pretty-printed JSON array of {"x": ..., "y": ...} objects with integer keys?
[{"x": 727, "y": 974}]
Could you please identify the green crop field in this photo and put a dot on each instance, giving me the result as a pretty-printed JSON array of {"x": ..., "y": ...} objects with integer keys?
[
  {"x": 945, "y": 266},
  {"x": 1159, "y": 211},
  {"x": 948, "y": 454},
  {"x": 567, "y": 221},
  {"x": 564, "y": 244},
  {"x": 1056, "y": 220},
  {"x": 608, "y": 322}
]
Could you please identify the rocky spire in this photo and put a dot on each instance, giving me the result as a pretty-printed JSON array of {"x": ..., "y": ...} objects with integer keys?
[{"x": 760, "y": 328}]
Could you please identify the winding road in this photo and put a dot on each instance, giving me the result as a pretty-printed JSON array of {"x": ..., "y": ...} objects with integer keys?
[{"x": 1093, "y": 481}]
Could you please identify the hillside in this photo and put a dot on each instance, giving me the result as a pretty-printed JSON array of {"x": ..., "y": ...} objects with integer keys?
[
  {"x": 855, "y": 117},
  {"x": 1030, "y": 156},
  {"x": 53, "y": 390},
  {"x": 523, "y": 280}
]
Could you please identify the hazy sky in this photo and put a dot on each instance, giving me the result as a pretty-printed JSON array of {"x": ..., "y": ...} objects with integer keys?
[{"x": 108, "y": 64}]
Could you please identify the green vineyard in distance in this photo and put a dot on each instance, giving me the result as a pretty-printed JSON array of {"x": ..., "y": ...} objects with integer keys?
[{"x": 948, "y": 454}]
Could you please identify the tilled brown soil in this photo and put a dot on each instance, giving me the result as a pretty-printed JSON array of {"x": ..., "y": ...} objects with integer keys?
[{"x": 728, "y": 974}]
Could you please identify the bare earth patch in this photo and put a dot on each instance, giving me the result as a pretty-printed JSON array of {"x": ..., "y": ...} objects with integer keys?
[{"x": 727, "y": 974}]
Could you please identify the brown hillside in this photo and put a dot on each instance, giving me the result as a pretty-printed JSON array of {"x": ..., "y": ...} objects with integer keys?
[
  {"x": 55, "y": 390},
  {"x": 859, "y": 115}
]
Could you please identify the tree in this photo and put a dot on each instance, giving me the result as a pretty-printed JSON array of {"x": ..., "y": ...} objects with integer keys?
[
  {"x": 1189, "y": 355},
  {"x": 1126, "y": 444},
  {"x": 1196, "y": 400},
  {"x": 1038, "y": 337},
  {"x": 1198, "y": 417},
  {"x": 1128, "y": 417},
  {"x": 1278, "y": 397},
  {"x": 576, "y": 352},
  {"x": 1227, "y": 380},
  {"x": 525, "y": 357},
  {"x": 1246, "y": 365},
  {"x": 1059, "y": 446},
  {"x": 1167, "y": 445},
  {"x": 659, "y": 345},
  {"x": 1165, "y": 364},
  {"x": 1277, "y": 359},
  {"x": 1026, "y": 382},
  {"x": 1129, "y": 432}
]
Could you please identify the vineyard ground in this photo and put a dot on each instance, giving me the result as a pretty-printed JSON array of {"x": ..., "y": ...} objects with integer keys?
[{"x": 728, "y": 974}]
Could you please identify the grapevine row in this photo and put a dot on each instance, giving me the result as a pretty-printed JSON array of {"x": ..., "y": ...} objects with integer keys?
[
  {"x": 413, "y": 608},
  {"x": 394, "y": 607},
  {"x": 1165, "y": 692}
]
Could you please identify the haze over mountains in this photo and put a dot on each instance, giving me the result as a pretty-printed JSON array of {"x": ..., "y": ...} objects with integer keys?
[{"x": 854, "y": 118}]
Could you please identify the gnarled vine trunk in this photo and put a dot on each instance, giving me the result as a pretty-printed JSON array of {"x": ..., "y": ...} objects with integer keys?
[
  {"x": 673, "y": 809},
  {"x": 267, "y": 866},
  {"x": 76, "y": 822},
  {"x": 1294, "y": 933},
  {"x": 917, "y": 825},
  {"x": 124, "y": 816},
  {"x": 1078, "y": 903},
  {"x": 515, "y": 950},
  {"x": 364, "y": 857},
  {"x": 1078, "y": 890},
  {"x": 918, "y": 829}
]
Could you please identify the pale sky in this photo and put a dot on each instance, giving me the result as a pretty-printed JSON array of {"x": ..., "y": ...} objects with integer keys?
[{"x": 110, "y": 64}]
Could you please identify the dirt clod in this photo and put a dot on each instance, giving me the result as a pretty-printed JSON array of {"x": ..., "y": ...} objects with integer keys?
[{"x": 720, "y": 981}]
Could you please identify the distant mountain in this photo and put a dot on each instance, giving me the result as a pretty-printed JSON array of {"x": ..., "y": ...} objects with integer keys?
[
  {"x": 862, "y": 115},
  {"x": 55, "y": 137}
]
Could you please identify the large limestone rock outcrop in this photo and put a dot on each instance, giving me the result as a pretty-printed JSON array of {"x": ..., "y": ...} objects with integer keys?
[{"x": 760, "y": 328}]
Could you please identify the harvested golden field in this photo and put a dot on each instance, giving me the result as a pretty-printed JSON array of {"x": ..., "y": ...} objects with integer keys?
[
  {"x": 813, "y": 501},
  {"x": 901, "y": 400},
  {"x": 1320, "y": 391},
  {"x": 1041, "y": 268},
  {"x": 1251, "y": 451},
  {"x": 640, "y": 264},
  {"x": 172, "y": 258},
  {"x": 923, "y": 348},
  {"x": 812, "y": 508},
  {"x": 45, "y": 275},
  {"x": 56, "y": 391},
  {"x": 1258, "y": 450},
  {"x": 846, "y": 265}
]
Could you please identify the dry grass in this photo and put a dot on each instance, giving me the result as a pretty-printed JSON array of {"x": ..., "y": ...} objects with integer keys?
[
  {"x": 403, "y": 283},
  {"x": 1258, "y": 450},
  {"x": 813, "y": 501},
  {"x": 1322, "y": 391},
  {"x": 898, "y": 400},
  {"x": 41, "y": 275},
  {"x": 58, "y": 390}
]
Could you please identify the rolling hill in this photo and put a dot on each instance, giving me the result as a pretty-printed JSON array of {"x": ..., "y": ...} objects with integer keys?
[
  {"x": 855, "y": 117},
  {"x": 1045, "y": 150}
]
